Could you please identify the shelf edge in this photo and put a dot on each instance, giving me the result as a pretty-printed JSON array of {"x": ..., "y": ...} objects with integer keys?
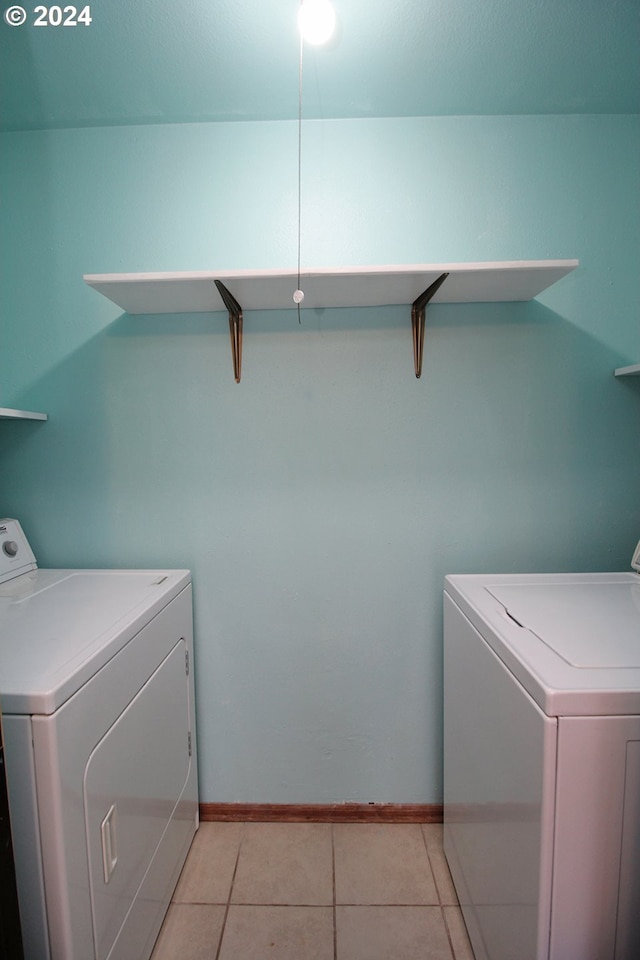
[
  {"x": 327, "y": 288},
  {"x": 7, "y": 413},
  {"x": 481, "y": 266}
]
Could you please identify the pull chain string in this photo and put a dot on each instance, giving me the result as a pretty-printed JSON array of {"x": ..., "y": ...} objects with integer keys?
[{"x": 299, "y": 165}]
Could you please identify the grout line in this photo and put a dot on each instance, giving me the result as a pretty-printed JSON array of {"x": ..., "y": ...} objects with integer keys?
[
  {"x": 441, "y": 904},
  {"x": 327, "y": 906},
  {"x": 449, "y": 937},
  {"x": 433, "y": 872},
  {"x": 287, "y": 906},
  {"x": 228, "y": 903},
  {"x": 199, "y": 903},
  {"x": 404, "y": 906}
]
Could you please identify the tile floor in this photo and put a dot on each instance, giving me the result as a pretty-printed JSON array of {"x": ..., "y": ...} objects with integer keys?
[{"x": 314, "y": 891}]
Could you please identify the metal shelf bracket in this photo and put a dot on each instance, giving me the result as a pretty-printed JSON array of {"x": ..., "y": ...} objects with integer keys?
[
  {"x": 235, "y": 327},
  {"x": 418, "y": 309}
]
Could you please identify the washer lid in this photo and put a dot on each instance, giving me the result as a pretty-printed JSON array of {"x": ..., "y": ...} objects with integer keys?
[
  {"x": 59, "y": 627},
  {"x": 571, "y": 639},
  {"x": 590, "y": 625}
]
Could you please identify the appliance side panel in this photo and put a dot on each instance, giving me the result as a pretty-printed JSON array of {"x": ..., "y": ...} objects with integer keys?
[
  {"x": 62, "y": 744},
  {"x": 597, "y": 792},
  {"x": 628, "y": 926},
  {"x": 25, "y": 826},
  {"x": 499, "y": 776},
  {"x": 547, "y": 834}
]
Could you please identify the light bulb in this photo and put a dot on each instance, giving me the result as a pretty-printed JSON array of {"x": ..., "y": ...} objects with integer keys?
[{"x": 316, "y": 21}]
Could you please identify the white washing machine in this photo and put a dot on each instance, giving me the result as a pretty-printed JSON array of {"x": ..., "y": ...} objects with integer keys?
[
  {"x": 97, "y": 697},
  {"x": 542, "y": 763}
]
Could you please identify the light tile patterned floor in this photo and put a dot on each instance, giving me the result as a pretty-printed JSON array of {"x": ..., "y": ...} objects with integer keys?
[{"x": 315, "y": 891}]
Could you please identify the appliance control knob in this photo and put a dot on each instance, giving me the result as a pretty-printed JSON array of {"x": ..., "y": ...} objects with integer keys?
[{"x": 10, "y": 547}]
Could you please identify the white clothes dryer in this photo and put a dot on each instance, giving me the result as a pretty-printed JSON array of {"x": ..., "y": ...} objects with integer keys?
[
  {"x": 96, "y": 686},
  {"x": 542, "y": 762}
]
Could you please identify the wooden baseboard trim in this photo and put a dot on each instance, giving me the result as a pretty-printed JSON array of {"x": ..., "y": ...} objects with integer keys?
[{"x": 323, "y": 812}]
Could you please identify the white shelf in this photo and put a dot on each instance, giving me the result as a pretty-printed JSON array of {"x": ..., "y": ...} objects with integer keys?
[
  {"x": 149, "y": 293},
  {"x": 632, "y": 371},
  {"x": 6, "y": 413}
]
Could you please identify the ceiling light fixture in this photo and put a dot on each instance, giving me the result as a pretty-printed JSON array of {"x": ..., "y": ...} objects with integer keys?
[{"x": 316, "y": 21}]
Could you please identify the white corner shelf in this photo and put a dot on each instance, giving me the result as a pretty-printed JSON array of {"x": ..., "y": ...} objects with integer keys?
[
  {"x": 151, "y": 293},
  {"x": 632, "y": 371},
  {"x": 6, "y": 413}
]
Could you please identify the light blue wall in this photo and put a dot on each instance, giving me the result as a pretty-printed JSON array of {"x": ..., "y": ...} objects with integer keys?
[{"x": 321, "y": 501}]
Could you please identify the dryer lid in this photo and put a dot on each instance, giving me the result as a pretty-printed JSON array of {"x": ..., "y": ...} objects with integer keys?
[
  {"x": 59, "y": 627},
  {"x": 590, "y": 625}
]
